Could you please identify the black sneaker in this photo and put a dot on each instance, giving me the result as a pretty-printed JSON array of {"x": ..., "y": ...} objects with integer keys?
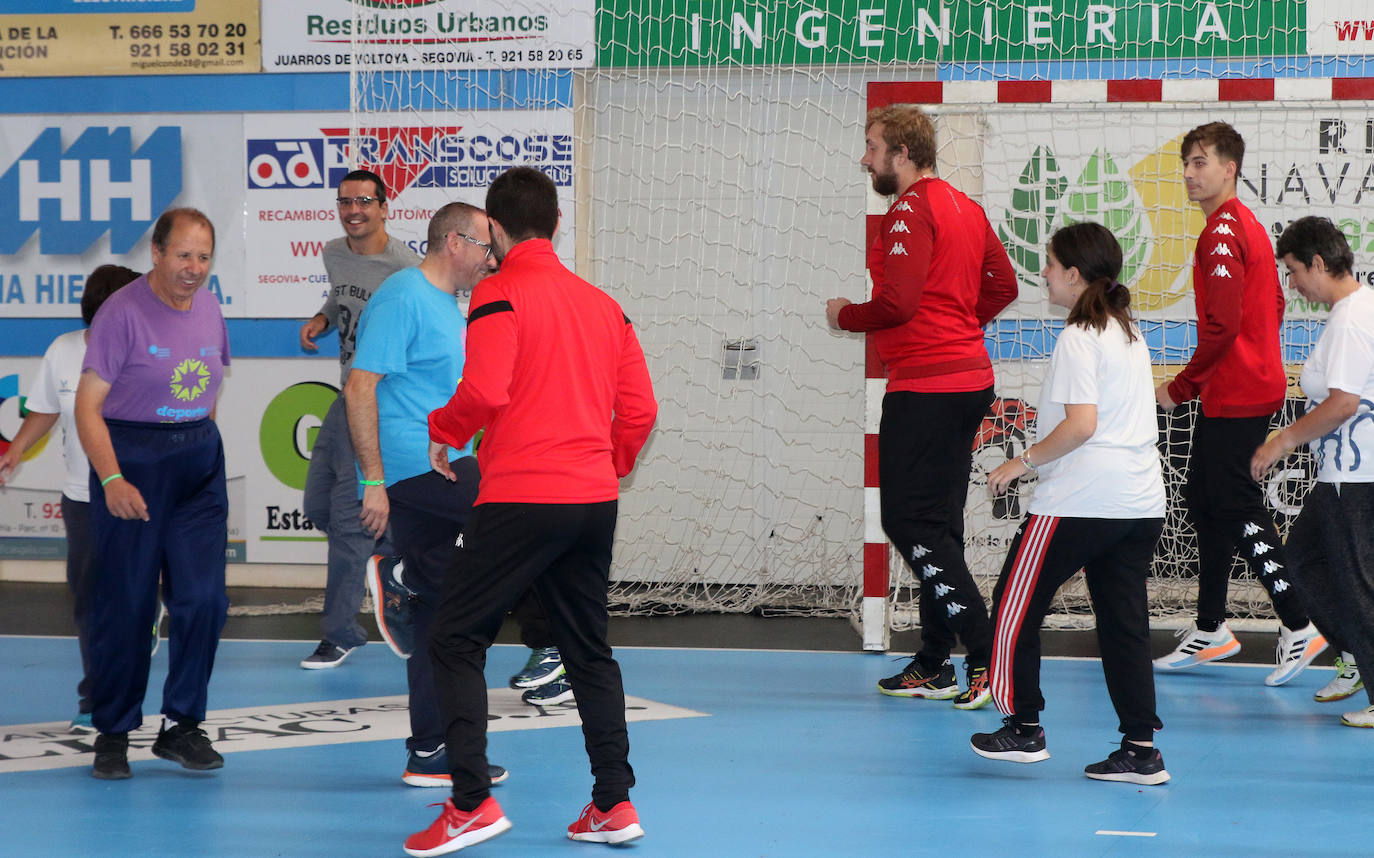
[
  {"x": 391, "y": 603},
  {"x": 431, "y": 770},
  {"x": 917, "y": 681},
  {"x": 111, "y": 757},
  {"x": 544, "y": 666},
  {"x": 1010, "y": 744},
  {"x": 187, "y": 744},
  {"x": 550, "y": 694},
  {"x": 326, "y": 655},
  {"x": 1124, "y": 766}
]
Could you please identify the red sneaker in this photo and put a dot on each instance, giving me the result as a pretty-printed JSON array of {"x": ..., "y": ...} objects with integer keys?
[
  {"x": 455, "y": 829},
  {"x": 618, "y": 825}
]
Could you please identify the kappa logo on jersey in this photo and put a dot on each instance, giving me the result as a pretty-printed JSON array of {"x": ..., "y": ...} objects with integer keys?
[
  {"x": 899, "y": 226},
  {"x": 942, "y": 590},
  {"x": 1272, "y": 566},
  {"x": 898, "y": 250},
  {"x": 902, "y": 206},
  {"x": 1222, "y": 229},
  {"x": 285, "y": 164},
  {"x": 919, "y": 551},
  {"x": 1261, "y": 548},
  {"x": 1226, "y": 216},
  {"x": 1223, "y": 250},
  {"x": 100, "y": 183},
  {"x": 1250, "y": 529},
  {"x": 1221, "y": 271},
  {"x": 930, "y": 570}
]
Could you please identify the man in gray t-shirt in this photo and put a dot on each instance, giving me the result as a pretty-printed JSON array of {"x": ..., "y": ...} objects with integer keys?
[{"x": 356, "y": 263}]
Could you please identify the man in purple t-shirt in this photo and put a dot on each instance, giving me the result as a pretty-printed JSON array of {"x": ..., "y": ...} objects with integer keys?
[{"x": 145, "y": 413}]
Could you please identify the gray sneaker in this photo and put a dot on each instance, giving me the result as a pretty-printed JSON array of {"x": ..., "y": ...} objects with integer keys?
[{"x": 325, "y": 656}]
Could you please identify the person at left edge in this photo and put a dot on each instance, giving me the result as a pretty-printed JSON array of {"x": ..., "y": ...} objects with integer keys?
[
  {"x": 52, "y": 400},
  {"x": 145, "y": 412}
]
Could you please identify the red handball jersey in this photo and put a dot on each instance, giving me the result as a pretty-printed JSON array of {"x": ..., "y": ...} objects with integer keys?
[
  {"x": 939, "y": 275},
  {"x": 1237, "y": 367},
  {"x": 557, "y": 376}
]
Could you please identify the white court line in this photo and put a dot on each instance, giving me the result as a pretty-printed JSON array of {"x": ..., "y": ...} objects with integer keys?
[{"x": 1125, "y": 833}]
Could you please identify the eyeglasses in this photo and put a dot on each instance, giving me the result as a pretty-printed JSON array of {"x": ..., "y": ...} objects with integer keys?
[
  {"x": 360, "y": 202},
  {"x": 470, "y": 240}
]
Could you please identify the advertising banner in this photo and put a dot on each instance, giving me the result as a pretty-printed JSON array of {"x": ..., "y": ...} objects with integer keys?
[
  {"x": 686, "y": 33},
  {"x": 75, "y": 38},
  {"x": 77, "y": 192},
  {"x": 275, "y": 407},
  {"x": 418, "y": 35},
  {"x": 293, "y": 162},
  {"x": 1072, "y": 163}
]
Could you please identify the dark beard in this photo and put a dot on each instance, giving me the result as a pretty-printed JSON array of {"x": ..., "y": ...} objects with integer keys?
[{"x": 885, "y": 183}]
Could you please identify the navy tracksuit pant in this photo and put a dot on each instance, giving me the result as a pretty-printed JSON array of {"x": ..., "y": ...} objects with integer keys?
[{"x": 179, "y": 470}]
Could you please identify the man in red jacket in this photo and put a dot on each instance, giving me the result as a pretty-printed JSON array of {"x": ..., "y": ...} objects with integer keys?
[
  {"x": 557, "y": 376},
  {"x": 939, "y": 275},
  {"x": 1237, "y": 371}
]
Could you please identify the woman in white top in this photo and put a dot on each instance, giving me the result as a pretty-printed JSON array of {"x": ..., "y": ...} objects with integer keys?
[
  {"x": 1331, "y": 544},
  {"x": 1098, "y": 506}
]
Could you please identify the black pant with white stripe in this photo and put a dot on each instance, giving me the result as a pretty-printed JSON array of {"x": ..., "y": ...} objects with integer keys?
[
  {"x": 925, "y": 454},
  {"x": 1114, "y": 555}
]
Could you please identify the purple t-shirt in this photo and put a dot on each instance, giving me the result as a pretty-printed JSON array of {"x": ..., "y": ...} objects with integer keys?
[{"x": 163, "y": 365}]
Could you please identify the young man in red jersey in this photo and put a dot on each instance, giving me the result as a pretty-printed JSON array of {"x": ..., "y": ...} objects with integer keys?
[
  {"x": 556, "y": 375},
  {"x": 1237, "y": 372},
  {"x": 939, "y": 275}
]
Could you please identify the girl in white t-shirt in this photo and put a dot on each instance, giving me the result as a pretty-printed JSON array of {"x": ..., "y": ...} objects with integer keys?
[
  {"x": 1331, "y": 544},
  {"x": 1098, "y": 506}
]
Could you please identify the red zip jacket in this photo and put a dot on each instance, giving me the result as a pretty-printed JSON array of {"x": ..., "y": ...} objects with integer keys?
[
  {"x": 1237, "y": 367},
  {"x": 939, "y": 275},
  {"x": 556, "y": 375}
]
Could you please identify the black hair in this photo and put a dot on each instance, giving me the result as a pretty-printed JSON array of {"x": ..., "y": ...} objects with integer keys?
[
  {"x": 103, "y": 282},
  {"x": 1309, "y": 237},
  {"x": 525, "y": 202},
  {"x": 1094, "y": 251}
]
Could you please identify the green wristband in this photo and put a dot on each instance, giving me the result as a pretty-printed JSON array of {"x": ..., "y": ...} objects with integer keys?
[
  {"x": 371, "y": 482},
  {"x": 111, "y": 478}
]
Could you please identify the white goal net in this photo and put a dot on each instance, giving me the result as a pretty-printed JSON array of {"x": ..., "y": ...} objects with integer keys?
[{"x": 716, "y": 194}]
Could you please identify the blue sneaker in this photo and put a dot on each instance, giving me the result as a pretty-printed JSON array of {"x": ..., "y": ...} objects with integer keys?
[
  {"x": 391, "y": 603},
  {"x": 82, "y": 723},
  {"x": 545, "y": 665},
  {"x": 550, "y": 693},
  {"x": 431, "y": 770}
]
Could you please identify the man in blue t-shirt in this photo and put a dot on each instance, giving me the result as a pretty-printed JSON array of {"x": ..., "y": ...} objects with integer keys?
[{"x": 409, "y": 359}]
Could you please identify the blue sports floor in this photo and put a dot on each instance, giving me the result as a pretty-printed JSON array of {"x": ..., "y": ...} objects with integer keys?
[{"x": 793, "y": 754}]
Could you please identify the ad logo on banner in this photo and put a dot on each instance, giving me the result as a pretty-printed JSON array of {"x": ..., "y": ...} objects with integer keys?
[
  {"x": 100, "y": 183},
  {"x": 285, "y": 163}
]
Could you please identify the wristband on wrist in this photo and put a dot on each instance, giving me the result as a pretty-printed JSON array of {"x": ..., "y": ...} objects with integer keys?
[
  {"x": 111, "y": 478},
  {"x": 371, "y": 482},
  {"x": 1026, "y": 460}
]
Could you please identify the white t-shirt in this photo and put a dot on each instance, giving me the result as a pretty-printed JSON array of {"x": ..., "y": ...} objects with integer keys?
[
  {"x": 1343, "y": 359},
  {"x": 54, "y": 392},
  {"x": 1115, "y": 473}
]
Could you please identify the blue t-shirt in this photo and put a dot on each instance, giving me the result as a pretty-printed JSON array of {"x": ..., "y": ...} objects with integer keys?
[{"x": 413, "y": 334}]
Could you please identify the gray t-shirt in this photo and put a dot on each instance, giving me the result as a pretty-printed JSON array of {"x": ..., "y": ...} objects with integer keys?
[{"x": 353, "y": 278}]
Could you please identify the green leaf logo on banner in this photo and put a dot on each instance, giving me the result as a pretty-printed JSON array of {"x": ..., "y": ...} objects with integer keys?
[
  {"x": 1034, "y": 204},
  {"x": 1106, "y": 194}
]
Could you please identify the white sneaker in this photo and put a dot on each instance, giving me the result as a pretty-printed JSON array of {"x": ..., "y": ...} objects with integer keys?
[
  {"x": 1295, "y": 651},
  {"x": 1346, "y": 683},
  {"x": 1359, "y": 718},
  {"x": 1199, "y": 647}
]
